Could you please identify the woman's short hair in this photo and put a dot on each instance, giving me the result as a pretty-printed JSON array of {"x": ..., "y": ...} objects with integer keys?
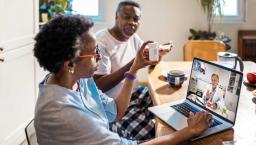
[{"x": 58, "y": 40}]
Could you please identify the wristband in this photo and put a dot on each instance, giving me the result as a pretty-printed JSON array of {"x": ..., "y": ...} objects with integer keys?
[{"x": 129, "y": 76}]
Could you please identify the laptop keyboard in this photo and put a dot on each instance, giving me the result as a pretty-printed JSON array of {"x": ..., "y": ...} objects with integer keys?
[{"x": 185, "y": 108}]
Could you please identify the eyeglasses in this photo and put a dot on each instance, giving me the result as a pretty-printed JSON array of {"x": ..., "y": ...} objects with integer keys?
[{"x": 96, "y": 55}]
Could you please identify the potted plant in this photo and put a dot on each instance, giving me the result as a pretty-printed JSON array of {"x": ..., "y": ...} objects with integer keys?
[{"x": 211, "y": 8}]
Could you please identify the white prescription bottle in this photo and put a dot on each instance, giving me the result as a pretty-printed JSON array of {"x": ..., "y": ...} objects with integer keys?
[{"x": 153, "y": 51}]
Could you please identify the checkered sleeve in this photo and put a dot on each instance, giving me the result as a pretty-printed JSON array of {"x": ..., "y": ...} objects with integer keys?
[{"x": 137, "y": 123}]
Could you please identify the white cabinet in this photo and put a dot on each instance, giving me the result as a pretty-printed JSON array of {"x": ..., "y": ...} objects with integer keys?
[
  {"x": 18, "y": 25},
  {"x": 17, "y": 94}
]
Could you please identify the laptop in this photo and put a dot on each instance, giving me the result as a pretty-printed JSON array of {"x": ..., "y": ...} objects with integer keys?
[{"x": 222, "y": 103}]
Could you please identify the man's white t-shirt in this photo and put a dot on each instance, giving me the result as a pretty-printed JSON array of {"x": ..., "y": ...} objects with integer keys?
[{"x": 115, "y": 54}]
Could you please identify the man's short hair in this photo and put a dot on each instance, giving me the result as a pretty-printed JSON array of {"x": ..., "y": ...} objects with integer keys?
[
  {"x": 127, "y": 3},
  {"x": 216, "y": 75}
]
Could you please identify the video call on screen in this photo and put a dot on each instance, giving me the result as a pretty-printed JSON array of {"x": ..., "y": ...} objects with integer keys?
[{"x": 215, "y": 88}]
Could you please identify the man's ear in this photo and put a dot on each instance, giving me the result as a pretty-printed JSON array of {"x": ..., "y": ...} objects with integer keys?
[{"x": 117, "y": 13}]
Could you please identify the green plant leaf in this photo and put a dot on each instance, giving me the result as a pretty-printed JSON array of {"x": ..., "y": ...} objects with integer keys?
[{"x": 211, "y": 8}]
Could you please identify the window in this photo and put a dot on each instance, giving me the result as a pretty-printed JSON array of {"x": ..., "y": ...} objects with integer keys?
[
  {"x": 233, "y": 11},
  {"x": 90, "y": 8}
]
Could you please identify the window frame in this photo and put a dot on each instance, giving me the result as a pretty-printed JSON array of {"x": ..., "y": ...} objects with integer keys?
[
  {"x": 240, "y": 18},
  {"x": 100, "y": 17}
]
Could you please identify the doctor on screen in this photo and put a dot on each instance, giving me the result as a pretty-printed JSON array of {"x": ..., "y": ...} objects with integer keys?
[{"x": 213, "y": 95}]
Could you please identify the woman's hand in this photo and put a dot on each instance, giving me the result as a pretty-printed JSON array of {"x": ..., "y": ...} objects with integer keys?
[
  {"x": 199, "y": 122},
  {"x": 141, "y": 60}
]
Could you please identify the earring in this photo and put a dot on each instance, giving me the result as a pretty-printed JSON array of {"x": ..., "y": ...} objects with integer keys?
[{"x": 71, "y": 70}]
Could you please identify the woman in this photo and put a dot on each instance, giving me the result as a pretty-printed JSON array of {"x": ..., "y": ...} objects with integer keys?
[{"x": 70, "y": 110}]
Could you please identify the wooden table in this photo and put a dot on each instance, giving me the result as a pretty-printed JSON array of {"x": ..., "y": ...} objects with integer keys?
[{"x": 244, "y": 131}]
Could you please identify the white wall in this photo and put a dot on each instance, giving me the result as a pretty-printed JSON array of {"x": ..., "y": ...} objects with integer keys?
[
  {"x": 231, "y": 29},
  {"x": 164, "y": 20}
]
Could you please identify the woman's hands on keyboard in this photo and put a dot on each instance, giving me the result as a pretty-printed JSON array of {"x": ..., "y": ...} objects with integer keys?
[{"x": 199, "y": 122}]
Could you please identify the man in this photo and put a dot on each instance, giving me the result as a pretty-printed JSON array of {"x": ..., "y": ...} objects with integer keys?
[
  {"x": 213, "y": 96},
  {"x": 119, "y": 46}
]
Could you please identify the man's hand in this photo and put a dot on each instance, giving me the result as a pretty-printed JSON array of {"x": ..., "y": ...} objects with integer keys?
[
  {"x": 199, "y": 122},
  {"x": 165, "y": 48},
  {"x": 208, "y": 95},
  {"x": 214, "y": 106}
]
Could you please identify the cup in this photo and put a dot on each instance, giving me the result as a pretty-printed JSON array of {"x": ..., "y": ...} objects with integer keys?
[
  {"x": 176, "y": 78},
  {"x": 153, "y": 51}
]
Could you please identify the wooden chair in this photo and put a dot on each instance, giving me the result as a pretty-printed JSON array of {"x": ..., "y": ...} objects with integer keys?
[{"x": 204, "y": 49}]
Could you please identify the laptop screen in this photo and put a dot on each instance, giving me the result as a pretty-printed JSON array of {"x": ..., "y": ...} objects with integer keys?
[{"x": 215, "y": 87}]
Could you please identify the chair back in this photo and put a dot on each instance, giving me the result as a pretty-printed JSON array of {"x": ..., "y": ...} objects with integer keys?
[
  {"x": 204, "y": 49},
  {"x": 31, "y": 133}
]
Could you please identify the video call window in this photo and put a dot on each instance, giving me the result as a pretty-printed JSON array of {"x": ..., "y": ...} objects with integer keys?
[{"x": 214, "y": 88}]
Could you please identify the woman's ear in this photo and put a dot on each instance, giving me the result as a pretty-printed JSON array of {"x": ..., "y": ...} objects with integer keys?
[{"x": 69, "y": 66}]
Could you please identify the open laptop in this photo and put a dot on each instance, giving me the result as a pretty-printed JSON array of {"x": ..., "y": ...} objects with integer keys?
[{"x": 226, "y": 96}]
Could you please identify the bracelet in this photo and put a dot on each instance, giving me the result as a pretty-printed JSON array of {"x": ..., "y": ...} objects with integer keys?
[{"x": 129, "y": 76}]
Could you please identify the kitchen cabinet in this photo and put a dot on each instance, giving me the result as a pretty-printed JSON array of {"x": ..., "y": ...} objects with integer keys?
[
  {"x": 18, "y": 26},
  {"x": 17, "y": 94}
]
